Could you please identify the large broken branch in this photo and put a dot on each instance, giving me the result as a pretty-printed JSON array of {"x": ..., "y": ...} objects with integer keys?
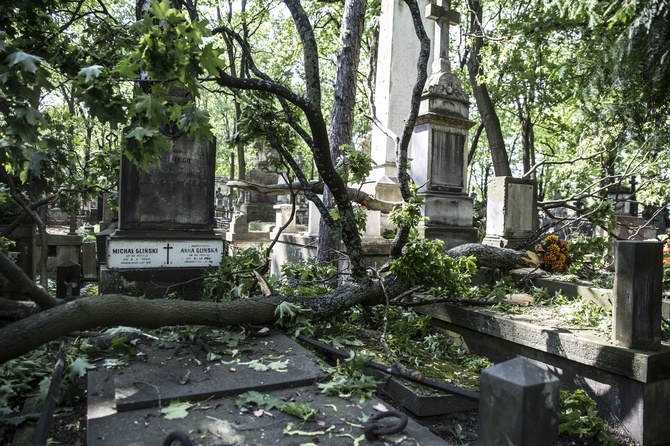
[
  {"x": 86, "y": 313},
  {"x": 494, "y": 257},
  {"x": 355, "y": 195}
]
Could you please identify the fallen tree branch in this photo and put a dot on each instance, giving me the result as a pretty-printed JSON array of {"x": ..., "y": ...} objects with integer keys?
[
  {"x": 493, "y": 257},
  {"x": 112, "y": 310},
  {"x": 355, "y": 195}
]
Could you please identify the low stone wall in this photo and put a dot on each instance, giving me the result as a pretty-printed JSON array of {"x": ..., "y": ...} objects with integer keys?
[{"x": 631, "y": 387}]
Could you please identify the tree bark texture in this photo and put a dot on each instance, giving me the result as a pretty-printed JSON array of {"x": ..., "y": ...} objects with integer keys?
[
  {"x": 342, "y": 114},
  {"x": 112, "y": 310},
  {"x": 482, "y": 97},
  {"x": 493, "y": 257}
]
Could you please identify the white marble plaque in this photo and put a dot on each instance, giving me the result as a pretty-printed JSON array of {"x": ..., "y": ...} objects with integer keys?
[{"x": 163, "y": 253}]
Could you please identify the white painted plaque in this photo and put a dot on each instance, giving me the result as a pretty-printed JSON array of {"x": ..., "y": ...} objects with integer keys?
[{"x": 163, "y": 253}]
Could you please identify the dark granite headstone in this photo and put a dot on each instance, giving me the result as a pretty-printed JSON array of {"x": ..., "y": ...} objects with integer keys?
[
  {"x": 518, "y": 405},
  {"x": 177, "y": 194}
]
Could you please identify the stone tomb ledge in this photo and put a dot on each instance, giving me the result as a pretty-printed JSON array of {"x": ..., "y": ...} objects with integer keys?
[
  {"x": 124, "y": 404},
  {"x": 632, "y": 387}
]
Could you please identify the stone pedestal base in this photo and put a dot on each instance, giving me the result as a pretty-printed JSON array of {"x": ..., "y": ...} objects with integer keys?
[
  {"x": 382, "y": 186},
  {"x": 258, "y": 211},
  {"x": 511, "y": 212},
  {"x": 152, "y": 283},
  {"x": 450, "y": 218},
  {"x": 452, "y": 236}
]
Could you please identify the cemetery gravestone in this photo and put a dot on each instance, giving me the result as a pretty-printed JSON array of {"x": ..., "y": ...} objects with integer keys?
[
  {"x": 638, "y": 286},
  {"x": 511, "y": 212},
  {"x": 518, "y": 405},
  {"x": 166, "y": 224},
  {"x": 25, "y": 246},
  {"x": 438, "y": 149}
]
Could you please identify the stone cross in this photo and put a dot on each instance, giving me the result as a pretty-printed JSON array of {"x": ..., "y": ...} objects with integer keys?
[{"x": 444, "y": 16}]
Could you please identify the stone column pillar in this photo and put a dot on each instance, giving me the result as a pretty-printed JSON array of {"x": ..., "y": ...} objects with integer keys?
[
  {"x": 396, "y": 74},
  {"x": 439, "y": 145}
]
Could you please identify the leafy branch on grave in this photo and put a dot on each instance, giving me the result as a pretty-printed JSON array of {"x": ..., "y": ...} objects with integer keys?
[{"x": 265, "y": 402}]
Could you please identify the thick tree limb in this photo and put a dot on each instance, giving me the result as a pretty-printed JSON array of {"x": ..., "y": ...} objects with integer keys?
[
  {"x": 355, "y": 195},
  {"x": 111, "y": 310},
  {"x": 494, "y": 257},
  {"x": 17, "y": 309},
  {"x": 26, "y": 286}
]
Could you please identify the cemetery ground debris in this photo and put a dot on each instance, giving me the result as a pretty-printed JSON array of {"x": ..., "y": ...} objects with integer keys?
[{"x": 69, "y": 426}]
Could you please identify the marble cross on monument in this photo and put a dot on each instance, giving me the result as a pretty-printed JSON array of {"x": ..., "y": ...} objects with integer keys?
[{"x": 444, "y": 16}]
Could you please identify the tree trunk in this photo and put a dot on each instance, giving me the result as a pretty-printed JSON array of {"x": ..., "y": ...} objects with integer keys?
[
  {"x": 482, "y": 97},
  {"x": 342, "y": 118}
]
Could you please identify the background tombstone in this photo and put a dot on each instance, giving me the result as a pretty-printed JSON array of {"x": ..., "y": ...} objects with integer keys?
[
  {"x": 518, "y": 405},
  {"x": 166, "y": 232},
  {"x": 258, "y": 206},
  {"x": 439, "y": 145},
  {"x": 511, "y": 212},
  {"x": 24, "y": 237},
  {"x": 638, "y": 286}
]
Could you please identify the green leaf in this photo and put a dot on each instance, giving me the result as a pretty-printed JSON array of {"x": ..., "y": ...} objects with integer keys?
[
  {"x": 160, "y": 9},
  {"x": 31, "y": 115},
  {"x": 253, "y": 397},
  {"x": 127, "y": 68},
  {"x": 79, "y": 367},
  {"x": 90, "y": 73},
  {"x": 299, "y": 410},
  {"x": 150, "y": 107},
  {"x": 176, "y": 410},
  {"x": 259, "y": 366},
  {"x": 140, "y": 133},
  {"x": 19, "y": 128},
  {"x": 278, "y": 366},
  {"x": 26, "y": 61},
  {"x": 209, "y": 59}
]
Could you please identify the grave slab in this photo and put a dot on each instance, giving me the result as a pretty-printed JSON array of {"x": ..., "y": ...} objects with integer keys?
[
  {"x": 116, "y": 417},
  {"x": 140, "y": 384}
]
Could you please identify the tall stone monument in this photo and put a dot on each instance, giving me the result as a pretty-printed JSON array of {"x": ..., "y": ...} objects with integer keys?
[
  {"x": 166, "y": 231},
  {"x": 396, "y": 74},
  {"x": 439, "y": 144}
]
